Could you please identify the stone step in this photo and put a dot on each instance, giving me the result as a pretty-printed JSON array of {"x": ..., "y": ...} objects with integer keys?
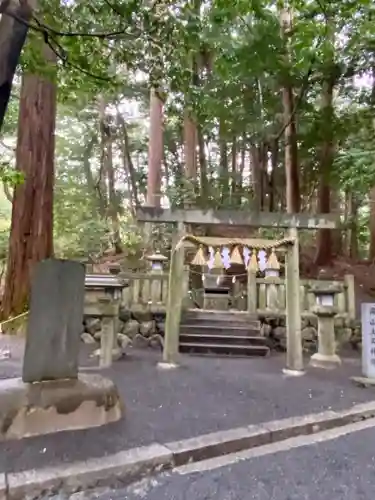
[
  {"x": 218, "y": 316},
  {"x": 210, "y": 339},
  {"x": 222, "y": 314},
  {"x": 251, "y": 324},
  {"x": 224, "y": 349},
  {"x": 246, "y": 328},
  {"x": 220, "y": 329}
]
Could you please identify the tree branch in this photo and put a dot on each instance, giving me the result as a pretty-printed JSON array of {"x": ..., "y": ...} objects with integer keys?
[
  {"x": 63, "y": 56},
  {"x": 42, "y": 28}
]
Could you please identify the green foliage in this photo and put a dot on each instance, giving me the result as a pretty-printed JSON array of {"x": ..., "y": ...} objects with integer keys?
[
  {"x": 224, "y": 62},
  {"x": 10, "y": 176}
]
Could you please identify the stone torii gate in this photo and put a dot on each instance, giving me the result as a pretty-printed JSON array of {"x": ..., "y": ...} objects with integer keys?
[{"x": 289, "y": 222}]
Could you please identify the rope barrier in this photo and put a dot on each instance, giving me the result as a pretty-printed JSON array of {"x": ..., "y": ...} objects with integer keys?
[
  {"x": 254, "y": 244},
  {"x": 10, "y": 320},
  {"x": 222, "y": 276}
]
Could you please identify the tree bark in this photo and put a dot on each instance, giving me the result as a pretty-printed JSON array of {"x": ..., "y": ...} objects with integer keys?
[
  {"x": 190, "y": 127},
  {"x": 89, "y": 177},
  {"x": 293, "y": 202},
  {"x": 12, "y": 38},
  {"x": 190, "y": 147},
  {"x": 101, "y": 183},
  {"x": 205, "y": 187},
  {"x": 239, "y": 182},
  {"x": 234, "y": 173},
  {"x": 31, "y": 235},
  {"x": 8, "y": 191},
  {"x": 107, "y": 178},
  {"x": 352, "y": 233},
  {"x": 224, "y": 170},
  {"x": 274, "y": 176},
  {"x": 127, "y": 162},
  {"x": 324, "y": 252},
  {"x": 113, "y": 204},
  {"x": 323, "y": 255},
  {"x": 336, "y": 234},
  {"x": 155, "y": 150},
  {"x": 257, "y": 177}
]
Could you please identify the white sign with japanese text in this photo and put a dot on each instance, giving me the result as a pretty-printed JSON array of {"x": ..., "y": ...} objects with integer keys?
[{"x": 368, "y": 340}]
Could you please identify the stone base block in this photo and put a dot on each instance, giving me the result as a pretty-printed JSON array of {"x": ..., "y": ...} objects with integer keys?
[
  {"x": 318, "y": 360},
  {"x": 293, "y": 373},
  {"x": 363, "y": 381},
  {"x": 44, "y": 407}
]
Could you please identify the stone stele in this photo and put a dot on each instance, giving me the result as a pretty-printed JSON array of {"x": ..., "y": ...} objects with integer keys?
[
  {"x": 55, "y": 321},
  {"x": 52, "y": 396},
  {"x": 51, "y": 406}
]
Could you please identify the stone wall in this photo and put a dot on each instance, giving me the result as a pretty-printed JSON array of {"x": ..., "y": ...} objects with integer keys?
[
  {"x": 141, "y": 330},
  {"x": 348, "y": 333},
  {"x": 144, "y": 330}
]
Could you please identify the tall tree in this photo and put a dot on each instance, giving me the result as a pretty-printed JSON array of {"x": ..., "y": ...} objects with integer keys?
[
  {"x": 324, "y": 252},
  {"x": 155, "y": 149},
  {"x": 108, "y": 178},
  {"x": 31, "y": 236},
  {"x": 293, "y": 200}
]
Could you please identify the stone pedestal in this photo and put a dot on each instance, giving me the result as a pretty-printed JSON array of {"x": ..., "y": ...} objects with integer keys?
[
  {"x": 52, "y": 396},
  {"x": 326, "y": 356},
  {"x": 52, "y": 406}
]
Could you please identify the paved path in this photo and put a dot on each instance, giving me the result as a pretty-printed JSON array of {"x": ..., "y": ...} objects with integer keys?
[
  {"x": 342, "y": 469},
  {"x": 205, "y": 395}
]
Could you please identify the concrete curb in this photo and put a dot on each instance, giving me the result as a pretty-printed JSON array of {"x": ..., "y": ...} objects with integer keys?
[{"x": 131, "y": 465}]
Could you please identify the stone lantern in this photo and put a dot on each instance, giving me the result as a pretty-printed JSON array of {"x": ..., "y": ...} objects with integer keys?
[
  {"x": 157, "y": 262},
  {"x": 325, "y": 311}
]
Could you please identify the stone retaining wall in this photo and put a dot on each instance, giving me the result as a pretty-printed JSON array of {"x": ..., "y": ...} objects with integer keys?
[
  {"x": 141, "y": 330},
  {"x": 348, "y": 333},
  {"x": 144, "y": 330}
]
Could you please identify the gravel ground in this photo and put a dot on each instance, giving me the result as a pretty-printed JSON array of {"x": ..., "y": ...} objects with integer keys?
[
  {"x": 205, "y": 395},
  {"x": 342, "y": 469}
]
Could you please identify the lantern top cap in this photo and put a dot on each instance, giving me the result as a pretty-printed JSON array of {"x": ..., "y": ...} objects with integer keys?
[
  {"x": 156, "y": 257},
  {"x": 325, "y": 289}
]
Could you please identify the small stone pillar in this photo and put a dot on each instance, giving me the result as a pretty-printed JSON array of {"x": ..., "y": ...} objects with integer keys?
[{"x": 326, "y": 356}]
